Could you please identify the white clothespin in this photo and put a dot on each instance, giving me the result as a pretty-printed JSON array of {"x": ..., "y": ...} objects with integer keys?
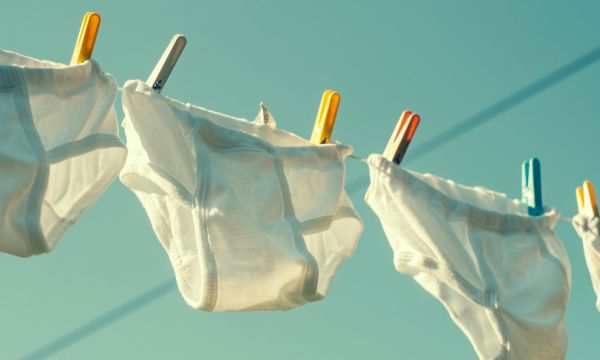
[{"x": 159, "y": 76}]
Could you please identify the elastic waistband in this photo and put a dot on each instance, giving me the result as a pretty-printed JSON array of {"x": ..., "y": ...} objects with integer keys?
[
  {"x": 415, "y": 187},
  {"x": 20, "y": 70},
  {"x": 227, "y": 131}
]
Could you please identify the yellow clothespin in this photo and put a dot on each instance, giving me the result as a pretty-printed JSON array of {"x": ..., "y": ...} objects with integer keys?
[
  {"x": 586, "y": 200},
  {"x": 401, "y": 137},
  {"x": 330, "y": 102},
  {"x": 86, "y": 38}
]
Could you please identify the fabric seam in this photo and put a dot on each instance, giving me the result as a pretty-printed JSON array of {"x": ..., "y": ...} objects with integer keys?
[
  {"x": 38, "y": 243},
  {"x": 309, "y": 286},
  {"x": 211, "y": 287},
  {"x": 83, "y": 146}
]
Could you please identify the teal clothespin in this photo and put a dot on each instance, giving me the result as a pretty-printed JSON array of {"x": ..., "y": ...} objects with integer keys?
[{"x": 531, "y": 186}]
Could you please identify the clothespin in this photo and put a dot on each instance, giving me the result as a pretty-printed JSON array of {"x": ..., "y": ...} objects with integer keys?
[
  {"x": 86, "y": 38},
  {"x": 330, "y": 102},
  {"x": 586, "y": 200},
  {"x": 402, "y": 136},
  {"x": 531, "y": 186},
  {"x": 159, "y": 76}
]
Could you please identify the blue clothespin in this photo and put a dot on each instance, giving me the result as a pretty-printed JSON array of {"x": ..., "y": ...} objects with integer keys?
[{"x": 531, "y": 186}]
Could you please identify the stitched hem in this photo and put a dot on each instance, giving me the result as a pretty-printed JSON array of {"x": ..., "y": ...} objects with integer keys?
[
  {"x": 36, "y": 243},
  {"x": 320, "y": 224},
  {"x": 311, "y": 274},
  {"x": 203, "y": 241},
  {"x": 135, "y": 169},
  {"x": 103, "y": 179},
  {"x": 87, "y": 144}
]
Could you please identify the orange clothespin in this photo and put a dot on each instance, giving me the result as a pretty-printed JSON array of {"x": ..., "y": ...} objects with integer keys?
[
  {"x": 86, "y": 38},
  {"x": 586, "y": 200},
  {"x": 330, "y": 102},
  {"x": 402, "y": 136}
]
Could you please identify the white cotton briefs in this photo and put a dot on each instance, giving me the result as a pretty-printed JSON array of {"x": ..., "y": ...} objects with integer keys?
[
  {"x": 588, "y": 229},
  {"x": 252, "y": 218},
  {"x": 503, "y": 276},
  {"x": 59, "y": 148}
]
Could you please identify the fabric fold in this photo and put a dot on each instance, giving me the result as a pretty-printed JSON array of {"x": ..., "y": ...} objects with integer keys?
[
  {"x": 60, "y": 148},
  {"x": 503, "y": 276},
  {"x": 251, "y": 217},
  {"x": 588, "y": 229}
]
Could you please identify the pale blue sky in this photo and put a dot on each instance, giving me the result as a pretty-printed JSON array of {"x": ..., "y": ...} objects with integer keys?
[{"x": 449, "y": 61}]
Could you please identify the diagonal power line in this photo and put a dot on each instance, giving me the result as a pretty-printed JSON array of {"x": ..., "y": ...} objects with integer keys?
[
  {"x": 102, "y": 321},
  {"x": 494, "y": 110},
  {"x": 153, "y": 294}
]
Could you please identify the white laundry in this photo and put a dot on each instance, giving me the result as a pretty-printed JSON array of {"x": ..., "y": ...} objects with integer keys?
[
  {"x": 503, "y": 276},
  {"x": 588, "y": 229},
  {"x": 252, "y": 217},
  {"x": 59, "y": 148}
]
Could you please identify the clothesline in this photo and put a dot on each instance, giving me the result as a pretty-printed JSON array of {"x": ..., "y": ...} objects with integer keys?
[
  {"x": 363, "y": 160},
  {"x": 453, "y": 132}
]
